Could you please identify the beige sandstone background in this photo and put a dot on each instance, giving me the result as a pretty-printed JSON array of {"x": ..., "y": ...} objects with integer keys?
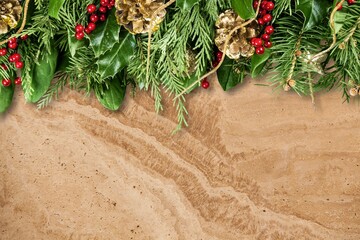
[{"x": 252, "y": 165}]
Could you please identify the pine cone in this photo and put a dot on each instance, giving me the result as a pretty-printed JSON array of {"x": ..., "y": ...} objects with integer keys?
[
  {"x": 10, "y": 13},
  {"x": 239, "y": 44},
  {"x": 135, "y": 15}
]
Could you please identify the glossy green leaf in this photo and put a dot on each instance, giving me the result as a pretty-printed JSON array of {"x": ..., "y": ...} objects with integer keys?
[
  {"x": 258, "y": 62},
  {"x": 186, "y": 4},
  {"x": 6, "y": 96},
  {"x": 112, "y": 97},
  {"x": 314, "y": 11},
  {"x": 42, "y": 74},
  {"x": 54, "y": 8},
  {"x": 118, "y": 57},
  {"x": 228, "y": 75},
  {"x": 244, "y": 8},
  {"x": 106, "y": 35}
]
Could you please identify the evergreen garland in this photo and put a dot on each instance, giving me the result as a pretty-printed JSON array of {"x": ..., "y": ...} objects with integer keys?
[{"x": 314, "y": 47}]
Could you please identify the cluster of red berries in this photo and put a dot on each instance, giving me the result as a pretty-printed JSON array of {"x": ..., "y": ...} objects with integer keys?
[
  {"x": 264, "y": 19},
  {"x": 14, "y": 57},
  {"x": 96, "y": 14},
  {"x": 218, "y": 56},
  {"x": 350, "y": 2}
]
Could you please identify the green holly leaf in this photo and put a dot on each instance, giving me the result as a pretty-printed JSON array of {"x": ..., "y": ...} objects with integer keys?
[
  {"x": 42, "y": 74},
  {"x": 186, "y": 4},
  {"x": 118, "y": 57},
  {"x": 314, "y": 11},
  {"x": 6, "y": 95},
  {"x": 258, "y": 62},
  {"x": 106, "y": 35},
  {"x": 244, "y": 8},
  {"x": 112, "y": 97},
  {"x": 54, "y": 8},
  {"x": 230, "y": 74}
]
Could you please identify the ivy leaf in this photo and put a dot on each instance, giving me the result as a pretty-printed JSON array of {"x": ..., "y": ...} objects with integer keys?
[
  {"x": 118, "y": 57},
  {"x": 6, "y": 96},
  {"x": 227, "y": 76},
  {"x": 186, "y": 4},
  {"x": 42, "y": 74},
  {"x": 54, "y": 8},
  {"x": 258, "y": 62},
  {"x": 244, "y": 8},
  {"x": 314, "y": 11},
  {"x": 112, "y": 97},
  {"x": 105, "y": 35}
]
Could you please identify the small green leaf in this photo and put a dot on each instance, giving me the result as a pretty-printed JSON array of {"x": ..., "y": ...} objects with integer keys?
[
  {"x": 42, "y": 73},
  {"x": 54, "y": 8},
  {"x": 112, "y": 97},
  {"x": 339, "y": 20},
  {"x": 314, "y": 11},
  {"x": 186, "y": 4},
  {"x": 6, "y": 96},
  {"x": 75, "y": 44},
  {"x": 228, "y": 76},
  {"x": 106, "y": 35},
  {"x": 118, "y": 57},
  {"x": 258, "y": 62},
  {"x": 244, "y": 8}
]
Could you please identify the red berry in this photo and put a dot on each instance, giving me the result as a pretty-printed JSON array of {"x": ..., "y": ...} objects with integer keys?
[
  {"x": 256, "y": 4},
  {"x": 3, "y": 51},
  {"x": 267, "y": 18},
  {"x": 263, "y": 12},
  {"x": 79, "y": 28},
  {"x": 19, "y": 65},
  {"x": 261, "y": 21},
  {"x": 340, "y": 6},
  {"x": 15, "y": 57},
  {"x": 18, "y": 81},
  {"x": 104, "y": 3},
  {"x": 205, "y": 84},
  {"x": 79, "y": 35},
  {"x": 219, "y": 56},
  {"x": 12, "y": 45},
  {"x": 351, "y": 2},
  {"x": 102, "y": 17},
  {"x": 112, "y": 3},
  {"x": 269, "y": 6},
  {"x": 263, "y": 4},
  {"x": 260, "y": 50},
  {"x": 257, "y": 42},
  {"x": 215, "y": 63},
  {"x": 87, "y": 30},
  {"x": 102, "y": 9},
  {"x": 6, "y": 82},
  {"x": 269, "y": 29},
  {"x": 91, "y": 8},
  {"x": 265, "y": 37},
  {"x": 13, "y": 40},
  {"x": 91, "y": 26},
  {"x": 268, "y": 44},
  {"x": 24, "y": 37},
  {"x": 94, "y": 18},
  {"x": 4, "y": 67}
]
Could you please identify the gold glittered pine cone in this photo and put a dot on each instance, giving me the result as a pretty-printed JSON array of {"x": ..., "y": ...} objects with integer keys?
[
  {"x": 135, "y": 15},
  {"x": 10, "y": 13},
  {"x": 239, "y": 44}
]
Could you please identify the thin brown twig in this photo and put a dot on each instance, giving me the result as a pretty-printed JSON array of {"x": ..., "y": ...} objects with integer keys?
[
  {"x": 26, "y": 7},
  {"x": 226, "y": 45},
  {"x": 153, "y": 16}
]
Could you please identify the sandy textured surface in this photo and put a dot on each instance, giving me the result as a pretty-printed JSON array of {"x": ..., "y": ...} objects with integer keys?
[{"x": 252, "y": 165}]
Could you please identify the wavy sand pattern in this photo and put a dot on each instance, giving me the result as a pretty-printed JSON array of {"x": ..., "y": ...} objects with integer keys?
[{"x": 252, "y": 165}]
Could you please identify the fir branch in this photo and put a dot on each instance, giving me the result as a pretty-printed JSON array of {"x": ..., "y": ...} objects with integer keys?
[{"x": 53, "y": 91}]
